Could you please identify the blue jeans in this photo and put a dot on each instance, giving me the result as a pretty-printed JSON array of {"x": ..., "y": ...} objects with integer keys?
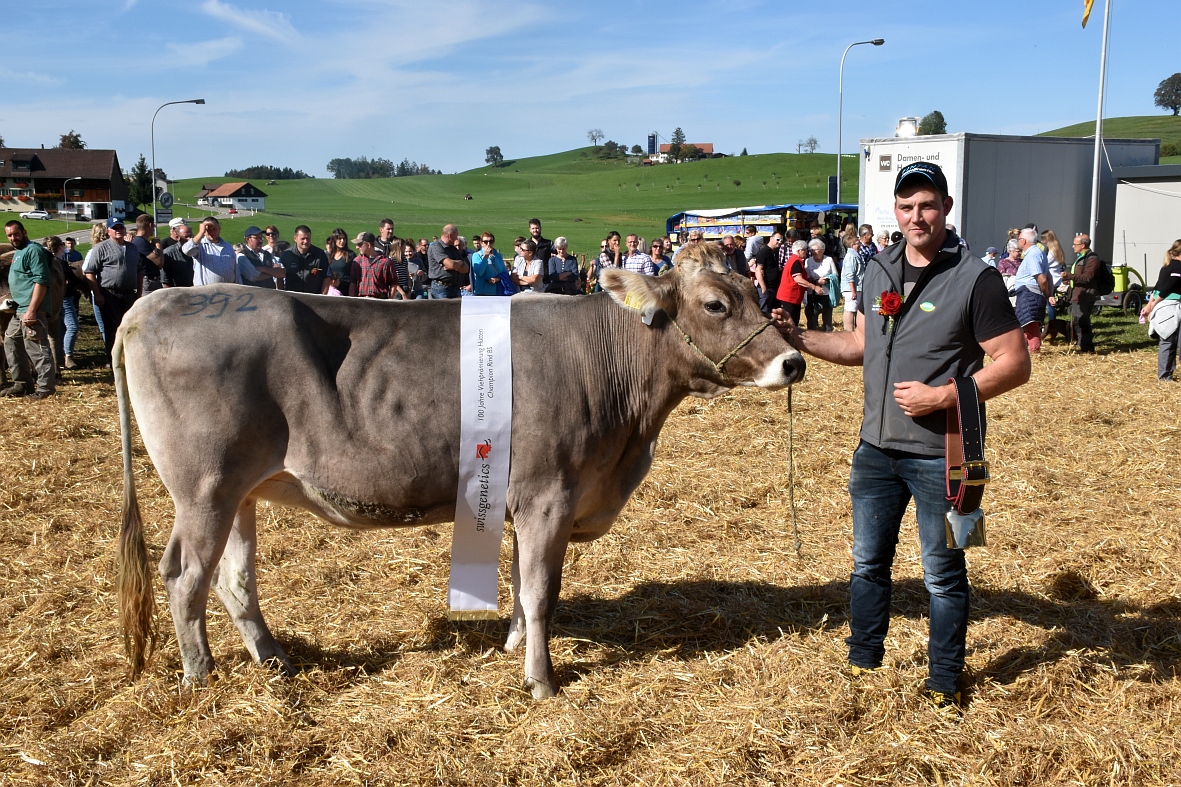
[
  {"x": 70, "y": 320},
  {"x": 442, "y": 291},
  {"x": 881, "y": 483},
  {"x": 98, "y": 318}
]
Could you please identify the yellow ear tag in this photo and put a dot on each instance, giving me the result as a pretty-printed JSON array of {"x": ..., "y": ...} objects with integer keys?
[{"x": 633, "y": 301}]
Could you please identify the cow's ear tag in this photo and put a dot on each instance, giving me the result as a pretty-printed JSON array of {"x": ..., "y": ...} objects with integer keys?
[
  {"x": 648, "y": 315},
  {"x": 633, "y": 301}
]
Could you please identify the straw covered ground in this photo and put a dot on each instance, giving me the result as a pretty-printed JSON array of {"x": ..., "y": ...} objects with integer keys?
[{"x": 692, "y": 645}]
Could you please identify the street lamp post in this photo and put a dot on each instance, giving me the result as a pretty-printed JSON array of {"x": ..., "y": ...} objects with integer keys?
[
  {"x": 157, "y": 112},
  {"x": 841, "y": 104},
  {"x": 66, "y": 199}
]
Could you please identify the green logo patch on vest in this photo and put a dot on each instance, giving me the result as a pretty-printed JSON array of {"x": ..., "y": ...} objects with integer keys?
[{"x": 927, "y": 306}]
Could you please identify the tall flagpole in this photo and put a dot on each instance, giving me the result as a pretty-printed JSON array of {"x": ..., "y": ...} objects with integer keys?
[{"x": 1099, "y": 126}]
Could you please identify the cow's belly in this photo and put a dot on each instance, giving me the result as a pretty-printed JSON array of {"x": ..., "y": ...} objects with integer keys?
[{"x": 342, "y": 508}]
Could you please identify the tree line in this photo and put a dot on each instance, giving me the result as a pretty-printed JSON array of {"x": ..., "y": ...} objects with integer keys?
[
  {"x": 263, "y": 172},
  {"x": 363, "y": 168}
]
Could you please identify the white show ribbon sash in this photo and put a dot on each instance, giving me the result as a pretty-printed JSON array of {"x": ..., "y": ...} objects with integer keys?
[{"x": 485, "y": 438}]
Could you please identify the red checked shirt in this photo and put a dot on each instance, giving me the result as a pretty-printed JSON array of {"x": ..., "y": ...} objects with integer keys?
[{"x": 373, "y": 276}]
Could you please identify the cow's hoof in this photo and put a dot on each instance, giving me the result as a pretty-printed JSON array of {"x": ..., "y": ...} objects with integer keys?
[
  {"x": 515, "y": 637},
  {"x": 280, "y": 663},
  {"x": 541, "y": 690},
  {"x": 197, "y": 681}
]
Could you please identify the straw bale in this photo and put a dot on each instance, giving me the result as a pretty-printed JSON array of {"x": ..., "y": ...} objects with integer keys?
[{"x": 692, "y": 644}]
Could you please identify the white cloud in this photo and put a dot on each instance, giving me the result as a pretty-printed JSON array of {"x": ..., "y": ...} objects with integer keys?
[
  {"x": 29, "y": 77},
  {"x": 269, "y": 24},
  {"x": 202, "y": 53}
]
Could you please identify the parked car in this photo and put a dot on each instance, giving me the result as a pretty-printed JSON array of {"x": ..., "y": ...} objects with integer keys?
[{"x": 36, "y": 214}]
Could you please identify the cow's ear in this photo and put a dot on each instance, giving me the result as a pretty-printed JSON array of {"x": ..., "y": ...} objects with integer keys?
[{"x": 645, "y": 294}]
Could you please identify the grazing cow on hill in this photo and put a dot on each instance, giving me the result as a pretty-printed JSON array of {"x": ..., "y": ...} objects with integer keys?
[{"x": 229, "y": 386}]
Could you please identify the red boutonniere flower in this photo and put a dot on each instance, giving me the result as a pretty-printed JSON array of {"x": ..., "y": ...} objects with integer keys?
[
  {"x": 888, "y": 304},
  {"x": 891, "y": 304}
]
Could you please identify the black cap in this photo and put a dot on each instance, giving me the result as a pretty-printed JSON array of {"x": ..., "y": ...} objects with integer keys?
[{"x": 924, "y": 170}]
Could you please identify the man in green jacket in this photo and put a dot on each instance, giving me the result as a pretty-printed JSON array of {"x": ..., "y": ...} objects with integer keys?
[{"x": 26, "y": 341}]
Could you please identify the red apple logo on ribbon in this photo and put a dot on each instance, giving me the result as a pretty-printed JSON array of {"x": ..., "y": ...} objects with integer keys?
[{"x": 484, "y": 449}]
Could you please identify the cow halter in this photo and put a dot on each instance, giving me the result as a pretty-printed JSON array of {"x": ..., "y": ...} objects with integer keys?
[{"x": 717, "y": 365}]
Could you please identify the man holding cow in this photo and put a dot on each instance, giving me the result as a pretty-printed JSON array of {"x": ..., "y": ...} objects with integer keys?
[{"x": 934, "y": 312}]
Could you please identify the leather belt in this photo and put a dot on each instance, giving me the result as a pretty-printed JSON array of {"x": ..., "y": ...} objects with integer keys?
[{"x": 967, "y": 470}]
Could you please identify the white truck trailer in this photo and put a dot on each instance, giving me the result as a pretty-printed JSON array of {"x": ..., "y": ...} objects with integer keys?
[{"x": 999, "y": 182}]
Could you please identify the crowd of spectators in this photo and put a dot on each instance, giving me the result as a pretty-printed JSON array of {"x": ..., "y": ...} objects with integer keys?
[{"x": 806, "y": 272}]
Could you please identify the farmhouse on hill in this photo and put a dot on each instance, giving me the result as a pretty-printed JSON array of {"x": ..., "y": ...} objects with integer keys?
[
  {"x": 706, "y": 148},
  {"x": 84, "y": 183},
  {"x": 240, "y": 195}
]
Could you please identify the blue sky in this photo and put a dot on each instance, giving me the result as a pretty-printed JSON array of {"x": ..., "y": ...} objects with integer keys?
[{"x": 295, "y": 83}]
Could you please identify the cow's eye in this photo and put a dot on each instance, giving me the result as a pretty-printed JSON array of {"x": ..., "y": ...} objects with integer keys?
[{"x": 715, "y": 307}]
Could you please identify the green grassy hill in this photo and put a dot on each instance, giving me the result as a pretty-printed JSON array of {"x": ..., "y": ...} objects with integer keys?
[
  {"x": 573, "y": 193},
  {"x": 1166, "y": 128}
]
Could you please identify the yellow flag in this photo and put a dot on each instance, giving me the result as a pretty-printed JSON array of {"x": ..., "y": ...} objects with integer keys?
[{"x": 1087, "y": 10}]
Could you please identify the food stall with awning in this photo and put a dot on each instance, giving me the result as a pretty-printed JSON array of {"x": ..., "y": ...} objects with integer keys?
[{"x": 715, "y": 223}]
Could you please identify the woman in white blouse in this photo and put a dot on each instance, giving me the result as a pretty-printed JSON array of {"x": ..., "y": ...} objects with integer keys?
[{"x": 822, "y": 273}]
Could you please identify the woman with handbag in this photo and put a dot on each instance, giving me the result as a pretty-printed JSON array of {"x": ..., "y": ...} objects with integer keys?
[{"x": 1163, "y": 313}]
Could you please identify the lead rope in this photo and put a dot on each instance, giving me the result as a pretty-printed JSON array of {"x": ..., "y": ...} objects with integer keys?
[
  {"x": 791, "y": 475},
  {"x": 717, "y": 365}
]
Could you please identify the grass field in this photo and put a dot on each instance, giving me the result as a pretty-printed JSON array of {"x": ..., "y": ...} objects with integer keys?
[
  {"x": 41, "y": 229},
  {"x": 1166, "y": 128},
  {"x": 692, "y": 646},
  {"x": 572, "y": 193}
]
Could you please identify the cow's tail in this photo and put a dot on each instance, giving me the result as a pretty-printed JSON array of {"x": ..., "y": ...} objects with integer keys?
[{"x": 137, "y": 602}]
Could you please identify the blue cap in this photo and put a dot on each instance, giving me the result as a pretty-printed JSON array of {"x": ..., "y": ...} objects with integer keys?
[
  {"x": 115, "y": 221},
  {"x": 924, "y": 170},
  {"x": 990, "y": 250}
]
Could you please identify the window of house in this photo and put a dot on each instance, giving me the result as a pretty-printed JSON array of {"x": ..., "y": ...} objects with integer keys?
[
  {"x": 20, "y": 166},
  {"x": 74, "y": 193}
]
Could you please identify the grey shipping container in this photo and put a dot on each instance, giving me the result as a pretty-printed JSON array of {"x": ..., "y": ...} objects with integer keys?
[{"x": 999, "y": 182}]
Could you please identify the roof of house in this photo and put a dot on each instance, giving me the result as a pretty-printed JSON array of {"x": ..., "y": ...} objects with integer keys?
[
  {"x": 705, "y": 147},
  {"x": 229, "y": 189},
  {"x": 58, "y": 163},
  {"x": 1149, "y": 172}
]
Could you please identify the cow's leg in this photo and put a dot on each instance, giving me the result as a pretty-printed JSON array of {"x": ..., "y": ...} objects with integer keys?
[
  {"x": 236, "y": 584},
  {"x": 516, "y": 626},
  {"x": 196, "y": 544},
  {"x": 542, "y": 548}
]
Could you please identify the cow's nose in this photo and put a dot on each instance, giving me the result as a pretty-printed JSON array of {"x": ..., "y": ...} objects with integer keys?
[{"x": 794, "y": 367}]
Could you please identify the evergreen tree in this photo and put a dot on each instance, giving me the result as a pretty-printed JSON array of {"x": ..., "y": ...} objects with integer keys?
[
  {"x": 139, "y": 183},
  {"x": 676, "y": 144},
  {"x": 932, "y": 124}
]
